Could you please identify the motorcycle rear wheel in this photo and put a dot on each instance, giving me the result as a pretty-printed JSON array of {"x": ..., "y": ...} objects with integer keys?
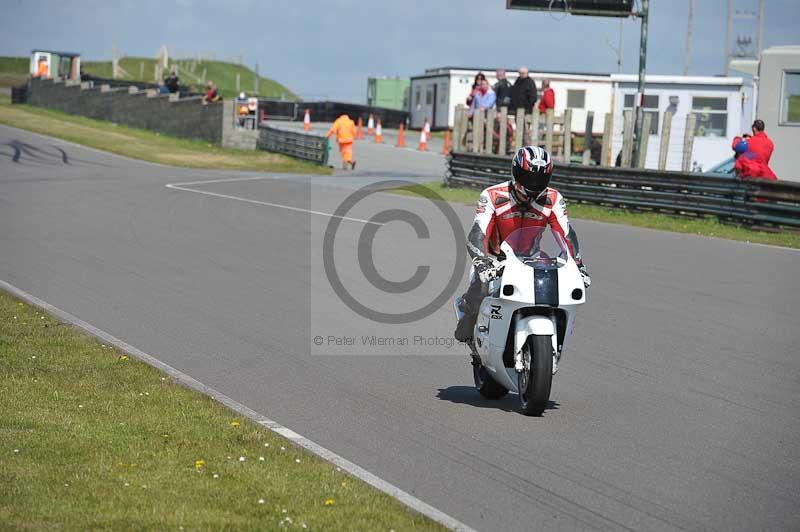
[
  {"x": 486, "y": 385},
  {"x": 535, "y": 382}
]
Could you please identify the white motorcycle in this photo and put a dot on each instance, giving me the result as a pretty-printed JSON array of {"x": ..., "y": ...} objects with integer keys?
[{"x": 526, "y": 318}]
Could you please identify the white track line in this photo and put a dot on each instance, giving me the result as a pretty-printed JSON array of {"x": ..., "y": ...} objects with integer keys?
[
  {"x": 177, "y": 186},
  {"x": 229, "y": 180},
  {"x": 298, "y": 440}
]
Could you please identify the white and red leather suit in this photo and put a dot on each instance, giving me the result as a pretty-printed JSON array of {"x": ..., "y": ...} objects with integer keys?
[{"x": 500, "y": 212}]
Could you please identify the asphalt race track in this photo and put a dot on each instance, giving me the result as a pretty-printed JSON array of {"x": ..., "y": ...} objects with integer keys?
[{"x": 677, "y": 406}]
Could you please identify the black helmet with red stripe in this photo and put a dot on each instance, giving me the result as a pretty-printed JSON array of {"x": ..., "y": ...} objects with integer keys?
[{"x": 532, "y": 168}]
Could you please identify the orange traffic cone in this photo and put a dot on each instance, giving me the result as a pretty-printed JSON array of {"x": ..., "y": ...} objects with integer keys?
[
  {"x": 427, "y": 129},
  {"x": 378, "y": 133},
  {"x": 446, "y": 148},
  {"x": 360, "y": 129},
  {"x": 423, "y": 141},
  {"x": 401, "y": 136},
  {"x": 370, "y": 125},
  {"x": 307, "y": 120}
]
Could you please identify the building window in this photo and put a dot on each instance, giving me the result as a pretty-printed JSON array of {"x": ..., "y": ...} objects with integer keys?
[
  {"x": 650, "y": 107},
  {"x": 790, "y": 98},
  {"x": 712, "y": 116},
  {"x": 416, "y": 96},
  {"x": 443, "y": 93},
  {"x": 576, "y": 98},
  {"x": 429, "y": 96}
]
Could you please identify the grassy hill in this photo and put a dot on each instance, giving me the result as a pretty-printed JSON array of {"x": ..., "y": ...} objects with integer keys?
[
  {"x": 14, "y": 70},
  {"x": 191, "y": 73}
]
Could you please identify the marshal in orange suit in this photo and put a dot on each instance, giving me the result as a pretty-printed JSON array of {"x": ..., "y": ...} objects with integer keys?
[{"x": 345, "y": 130}]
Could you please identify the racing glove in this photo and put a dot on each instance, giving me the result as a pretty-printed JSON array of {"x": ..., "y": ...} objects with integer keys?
[
  {"x": 485, "y": 268},
  {"x": 587, "y": 281}
]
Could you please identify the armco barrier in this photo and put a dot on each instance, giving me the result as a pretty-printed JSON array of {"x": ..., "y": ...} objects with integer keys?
[
  {"x": 19, "y": 94},
  {"x": 312, "y": 148},
  {"x": 751, "y": 201}
]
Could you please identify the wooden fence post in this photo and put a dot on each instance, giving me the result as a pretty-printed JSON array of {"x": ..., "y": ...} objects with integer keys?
[
  {"x": 608, "y": 138},
  {"x": 489, "y": 137},
  {"x": 526, "y": 135},
  {"x": 641, "y": 153},
  {"x": 567, "y": 132},
  {"x": 458, "y": 132},
  {"x": 666, "y": 129},
  {"x": 503, "y": 120},
  {"x": 627, "y": 138},
  {"x": 477, "y": 131},
  {"x": 464, "y": 128},
  {"x": 587, "y": 138},
  {"x": 688, "y": 142},
  {"x": 548, "y": 137},
  {"x": 519, "y": 128},
  {"x": 534, "y": 134}
]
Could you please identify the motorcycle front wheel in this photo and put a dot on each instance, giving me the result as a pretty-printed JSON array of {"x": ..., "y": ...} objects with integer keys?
[
  {"x": 534, "y": 382},
  {"x": 486, "y": 385}
]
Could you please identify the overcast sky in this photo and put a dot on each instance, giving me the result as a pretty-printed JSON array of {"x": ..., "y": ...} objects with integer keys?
[{"x": 328, "y": 48}]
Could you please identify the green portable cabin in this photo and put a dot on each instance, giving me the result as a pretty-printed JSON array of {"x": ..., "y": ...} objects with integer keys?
[{"x": 389, "y": 93}]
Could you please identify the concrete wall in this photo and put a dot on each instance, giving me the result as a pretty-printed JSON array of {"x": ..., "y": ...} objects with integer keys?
[
  {"x": 776, "y": 62},
  {"x": 166, "y": 114}
]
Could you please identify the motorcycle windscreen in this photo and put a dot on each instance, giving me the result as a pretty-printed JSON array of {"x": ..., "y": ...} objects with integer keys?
[{"x": 545, "y": 251}]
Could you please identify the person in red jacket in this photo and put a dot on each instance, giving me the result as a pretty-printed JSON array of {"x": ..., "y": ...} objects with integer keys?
[
  {"x": 548, "y": 100},
  {"x": 753, "y": 154}
]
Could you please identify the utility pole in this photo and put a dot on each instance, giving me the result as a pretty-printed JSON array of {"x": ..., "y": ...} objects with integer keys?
[
  {"x": 688, "y": 53},
  {"x": 619, "y": 46},
  {"x": 637, "y": 130},
  {"x": 255, "y": 81},
  {"x": 760, "y": 34},
  {"x": 728, "y": 38}
]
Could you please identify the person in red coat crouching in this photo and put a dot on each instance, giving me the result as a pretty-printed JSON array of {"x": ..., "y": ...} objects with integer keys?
[{"x": 753, "y": 153}]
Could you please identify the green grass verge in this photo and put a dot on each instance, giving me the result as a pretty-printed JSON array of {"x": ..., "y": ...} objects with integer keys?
[
  {"x": 147, "y": 145},
  {"x": 90, "y": 439},
  {"x": 702, "y": 226}
]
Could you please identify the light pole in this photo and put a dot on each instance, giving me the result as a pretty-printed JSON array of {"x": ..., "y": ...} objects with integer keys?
[{"x": 637, "y": 130}]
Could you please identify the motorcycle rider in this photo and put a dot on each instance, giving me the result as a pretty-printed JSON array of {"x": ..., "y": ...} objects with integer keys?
[{"x": 525, "y": 201}]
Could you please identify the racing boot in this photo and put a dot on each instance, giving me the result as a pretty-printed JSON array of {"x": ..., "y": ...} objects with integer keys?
[{"x": 466, "y": 324}]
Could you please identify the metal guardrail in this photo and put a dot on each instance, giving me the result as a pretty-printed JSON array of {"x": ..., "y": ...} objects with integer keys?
[
  {"x": 312, "y": 148},
  {"x": 750, "y": 201},
  {"x": 19, "y": 94}
]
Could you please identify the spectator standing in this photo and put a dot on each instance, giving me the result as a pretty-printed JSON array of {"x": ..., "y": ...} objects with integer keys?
[
  {"x": 753, "y": 153},
  {"x": 548, "y": 100},
  {"x": 476, "y": 85},
  {"x": 211, "y": 95},
  {"x": 483, "y": 98},
  {"x": 172, "y": 82},
  {"x": 502, "y": 89},
  {"x": 523, "y": 93}
]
